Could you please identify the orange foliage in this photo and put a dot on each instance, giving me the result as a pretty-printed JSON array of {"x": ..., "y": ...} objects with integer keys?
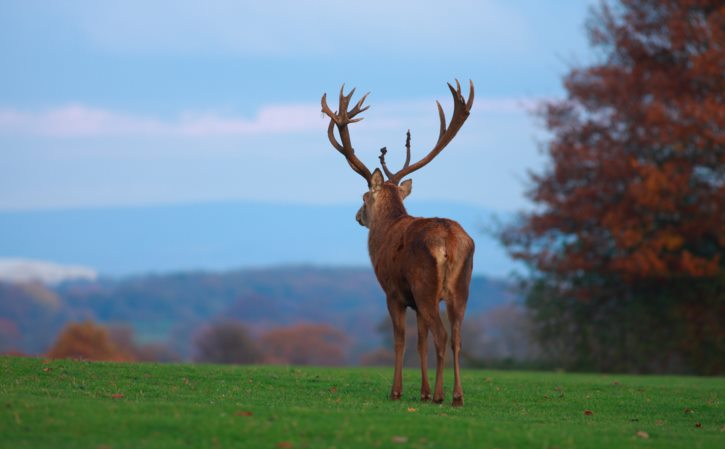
[
  {"x": 628, "y": 236},
  {"x": 87, "y": 341},
  {"x": 305, "y": 344},
  {"x": 636, "y": 186}
]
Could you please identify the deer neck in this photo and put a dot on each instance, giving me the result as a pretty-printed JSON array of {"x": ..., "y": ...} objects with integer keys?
[{"x": 383, "y": 225}]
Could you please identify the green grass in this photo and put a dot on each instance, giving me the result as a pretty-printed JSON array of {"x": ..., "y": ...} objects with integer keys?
[{"x": 74, "y": 404}]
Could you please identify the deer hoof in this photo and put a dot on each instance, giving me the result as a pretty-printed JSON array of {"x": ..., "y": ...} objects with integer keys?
[
  {"x": 425, "y": 397},
  {"x": 458, "y": 402},
  {"x": 438, "y": 400},
  {"x": 395, "y": 395}
]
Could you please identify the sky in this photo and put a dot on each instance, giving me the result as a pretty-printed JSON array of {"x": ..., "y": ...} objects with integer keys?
[{"x": 152, "y": 102}]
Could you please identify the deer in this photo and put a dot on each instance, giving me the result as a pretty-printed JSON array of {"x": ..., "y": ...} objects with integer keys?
[{"x": 418, "y": 262}]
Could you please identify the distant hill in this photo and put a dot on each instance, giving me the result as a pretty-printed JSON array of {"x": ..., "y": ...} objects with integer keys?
[
  {"x": 123, "y": 241},
  {"x": 172, "y": 307}
]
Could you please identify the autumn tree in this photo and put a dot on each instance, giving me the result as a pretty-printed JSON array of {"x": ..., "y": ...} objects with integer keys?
[
  {"x": 87, "y": 341},
  {"x": 305, "y": 344},
  {"x": 226, "y": 342},
  {"x": 626, "y": 239}
]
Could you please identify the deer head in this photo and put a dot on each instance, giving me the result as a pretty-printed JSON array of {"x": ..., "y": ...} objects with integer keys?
[{"x": 389, "y": 193}]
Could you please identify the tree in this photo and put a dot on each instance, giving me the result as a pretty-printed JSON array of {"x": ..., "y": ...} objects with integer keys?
[
  {"x": 226, "y": 342},
  {"x": 627, "y": 238},
  {"x": 305, "y": 344},
  {"x": 87, "y": 341}
]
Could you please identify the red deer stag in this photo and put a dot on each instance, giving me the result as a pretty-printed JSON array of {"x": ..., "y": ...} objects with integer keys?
[{"x": 418, "y": 261}]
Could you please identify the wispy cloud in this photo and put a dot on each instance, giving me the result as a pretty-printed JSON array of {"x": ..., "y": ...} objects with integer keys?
[{"x": 77, "y": 120}]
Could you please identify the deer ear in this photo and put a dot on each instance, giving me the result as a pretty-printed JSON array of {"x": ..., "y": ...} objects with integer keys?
[
  {"x": 377, "y": 180},
  {"x": 406, "y": 187}
]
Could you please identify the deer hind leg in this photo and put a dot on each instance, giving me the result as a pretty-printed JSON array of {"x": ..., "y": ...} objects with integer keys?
[
  {"x": 457, "y": 297},
  {"x": 439, "y": 338},
  {"x": 455, "y": 316},
  {"x": 423, "y": 352},
  {"x": 397, "y": 316},
  {"x": 427, "y": 304},
  {"x": 427, "y": 293}
]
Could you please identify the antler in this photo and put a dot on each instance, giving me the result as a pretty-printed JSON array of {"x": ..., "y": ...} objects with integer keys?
[
  {"x": 461, "y": 110},
  {"x": 342, "y": 117}
]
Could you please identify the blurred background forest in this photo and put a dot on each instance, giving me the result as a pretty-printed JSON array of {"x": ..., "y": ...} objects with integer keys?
[{"x": 615, "y": 236}]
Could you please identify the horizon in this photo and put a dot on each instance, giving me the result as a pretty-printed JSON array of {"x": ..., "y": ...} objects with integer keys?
[{"x": 126, "y": 240}]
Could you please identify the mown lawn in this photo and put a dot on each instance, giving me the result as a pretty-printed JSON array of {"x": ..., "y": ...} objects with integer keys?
[{"x": 71, "y": 404}]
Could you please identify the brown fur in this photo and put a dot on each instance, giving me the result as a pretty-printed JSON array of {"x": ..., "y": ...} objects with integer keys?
[{"x": 418, "y": 262}]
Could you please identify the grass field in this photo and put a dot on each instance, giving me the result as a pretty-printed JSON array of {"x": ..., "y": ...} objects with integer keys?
[{"x": 70, "y": 404}]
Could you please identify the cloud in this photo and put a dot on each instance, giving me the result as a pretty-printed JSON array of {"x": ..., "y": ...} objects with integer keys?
[
  {"x": 77, "y": 120},
  {"x": 27, "y": 270}
]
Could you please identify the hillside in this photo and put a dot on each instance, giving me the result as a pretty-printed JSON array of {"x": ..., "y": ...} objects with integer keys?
[{"x": 171, "y": 308}]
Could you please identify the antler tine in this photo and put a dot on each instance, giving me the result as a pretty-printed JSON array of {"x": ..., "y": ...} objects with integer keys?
[
  {"x": 341, "y": 119},
  {"x": 469, "y": 103},
  {"x": 461, "y": 111},
  {"x": 345, "y": 99},
  {"x": 407, "y": 150},
  {"x": 357, "y": 109},
  {"x": 442, "y": 117},
  {"x": 383, "y": 152}
]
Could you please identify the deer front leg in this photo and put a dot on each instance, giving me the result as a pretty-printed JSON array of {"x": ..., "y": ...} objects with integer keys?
[
  {"x": 397, "y": 315},
  {"x": 423, "y": 352}
]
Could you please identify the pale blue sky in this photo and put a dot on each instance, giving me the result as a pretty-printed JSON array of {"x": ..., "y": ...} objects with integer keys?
[{"x": 149, "y": 102}]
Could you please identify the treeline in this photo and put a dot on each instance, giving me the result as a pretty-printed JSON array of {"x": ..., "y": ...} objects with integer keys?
[
  {"x": 171, "y": 311},
  {"x": 496, "y": 339}
]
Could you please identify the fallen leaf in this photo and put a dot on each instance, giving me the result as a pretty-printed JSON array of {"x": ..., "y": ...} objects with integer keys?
[
  {"x": 46, "y": 369},
  {"x": 412, "y": 409},
  {"x": 698, "y": 425},
  {"x": 333, "y": 390},
  {"x": 117, "y": 396},
  {"x": 688, "y": 410},
  {"x": 399, "y": 439},
  {"x": 659, "y": 422},
  {"x": 642, "y": 434},
  {"x": 487, "y": 379},
  {"x": 616, "y": 382},
  {"x": 186, "y": 381},
  {"x": 588, "y": 412},
  {"x": 285, "y": 445},
  {"x": 243, "y": 413}
]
